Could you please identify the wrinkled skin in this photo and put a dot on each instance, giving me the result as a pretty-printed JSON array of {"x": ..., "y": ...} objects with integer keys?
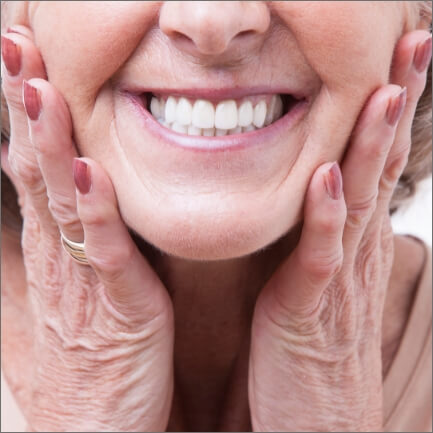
[{"x": 101, "y": 337}]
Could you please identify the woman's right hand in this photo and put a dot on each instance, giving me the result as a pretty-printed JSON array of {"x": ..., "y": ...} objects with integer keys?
[{"x": 101, "y": 353}]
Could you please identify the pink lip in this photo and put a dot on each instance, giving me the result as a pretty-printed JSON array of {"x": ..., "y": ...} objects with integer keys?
[
  {"x": 224, "y": 143},
  {"x": 219, "y": 94}
]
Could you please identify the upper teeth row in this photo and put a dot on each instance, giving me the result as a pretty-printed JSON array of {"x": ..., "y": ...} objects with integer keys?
[{"x": 225, "y": 116}]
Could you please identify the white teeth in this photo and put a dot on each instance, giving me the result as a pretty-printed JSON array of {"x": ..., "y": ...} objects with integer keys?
[
  {"x": 179, "y": 128},
  {"x": 259, "y": 114},
  {"x": 202, "y": 118},
  {"x": 203, "y": 114},
  {"x": 193, "y": 130},
  {"x": 226, "y": 115},
  {"x": 170, "y": 109},
  {"x": 209, "y": 132},
  {"x": 183, "y": 112},
  {"x": 245, "y": 115},
  {"x": 155, "y": 108}
]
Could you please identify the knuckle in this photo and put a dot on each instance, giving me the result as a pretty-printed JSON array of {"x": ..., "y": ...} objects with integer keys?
[
  {"x": 62, "y": 208},
  {"x": 368, "y": 265},
  {"x": 93, "y": 218},
  {"x": 375, "y": 148},
  {"x": 393, "y": 169},
  {"x": 321, "y": 266},
  {"x": 13, "y": 96},
  {"x": 329, "y": 223},
  {"x": 359, "y": 213},
  {"x": 111, "y": 264},
  {"x": 24, "y": 169}
]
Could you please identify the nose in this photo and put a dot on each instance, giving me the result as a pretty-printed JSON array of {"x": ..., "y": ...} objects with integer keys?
[{"x": 210, "y": 28}]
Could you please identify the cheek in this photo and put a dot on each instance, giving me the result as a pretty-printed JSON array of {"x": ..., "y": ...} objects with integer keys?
[
  {"x": 93, "y": 40},
  {"x": 350, "y": 46},
  {"x": 343, "y": 41}
]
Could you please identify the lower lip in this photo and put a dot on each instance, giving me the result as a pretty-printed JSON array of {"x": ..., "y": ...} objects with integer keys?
[{"x": 226, "y": 142}]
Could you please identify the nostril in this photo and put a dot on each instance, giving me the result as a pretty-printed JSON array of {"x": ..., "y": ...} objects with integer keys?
[
  {"x": 178, "y": 36},
  {"x": 245, "y": 33},
  {"x": 183, "y": 42}
]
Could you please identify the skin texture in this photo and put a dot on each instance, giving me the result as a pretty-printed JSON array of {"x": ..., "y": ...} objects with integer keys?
[
  {"x": 169, "y": 180},
  {"x": 320, "y": 298}
]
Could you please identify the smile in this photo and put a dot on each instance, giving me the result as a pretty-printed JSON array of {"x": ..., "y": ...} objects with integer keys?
[{"x": 217, "y": 123}]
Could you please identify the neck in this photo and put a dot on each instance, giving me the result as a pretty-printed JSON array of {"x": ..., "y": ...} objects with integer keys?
[
  {"x": 213, "y": 304},
  {"x": 213, "y": 291}
]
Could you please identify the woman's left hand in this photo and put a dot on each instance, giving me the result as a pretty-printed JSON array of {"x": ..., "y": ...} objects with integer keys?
[{"x": 315, "y": 359}]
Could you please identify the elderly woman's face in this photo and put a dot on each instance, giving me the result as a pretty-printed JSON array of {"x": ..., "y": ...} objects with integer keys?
[{"x": 225, "y": 196}]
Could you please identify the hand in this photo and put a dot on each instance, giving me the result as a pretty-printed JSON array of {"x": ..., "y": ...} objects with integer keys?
[
  {"x": 98, "y": 339},
  {"x": 315, "y": 360}
]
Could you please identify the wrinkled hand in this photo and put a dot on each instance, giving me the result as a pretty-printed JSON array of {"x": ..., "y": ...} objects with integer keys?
[
  {"x": 315, "y": 361},
  {"x": 100, "y": 337}
]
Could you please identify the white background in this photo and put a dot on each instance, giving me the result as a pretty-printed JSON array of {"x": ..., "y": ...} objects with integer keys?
[{"x": 416, "y": 219}]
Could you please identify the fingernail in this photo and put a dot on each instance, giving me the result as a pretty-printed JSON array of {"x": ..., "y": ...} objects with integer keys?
[
  {"x": 11, "y": 53},
  {"x": 334, "y": 182},
  {"x": 395, "y": 107},
  {"x": 422, "y": 55},
  {"x": 32, "y": 101},
  {"x": 82, "y": 177}
]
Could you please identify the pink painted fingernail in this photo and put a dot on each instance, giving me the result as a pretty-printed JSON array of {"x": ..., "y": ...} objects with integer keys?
[
  {"x": 334, "y": 182},
  {"x": 395, "y": 107},
  {"x": 82, "y": 177},
  {"x": 423, "y": 54},
  {"x": 32, "y": 101},
  {"x": 11, "y": 53}
]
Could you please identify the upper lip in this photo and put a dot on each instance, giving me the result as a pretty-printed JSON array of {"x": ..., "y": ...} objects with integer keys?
[{"x": 210, "y": 93}]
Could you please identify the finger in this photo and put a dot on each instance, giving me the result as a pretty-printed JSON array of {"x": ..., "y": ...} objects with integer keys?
[
  {"x": 411, "y": 59},
  {"x": 51, "y": 134},
  {"x": 21, "y": 60},
  {"x": 21, "y": 30},
  {"x": 366, "y": 156},
  {"x": 132, "y": 286},
  {"x": 299, "y": 283}
]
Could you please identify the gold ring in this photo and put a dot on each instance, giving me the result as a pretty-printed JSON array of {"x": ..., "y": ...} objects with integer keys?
[{"x": 74, "y": 249}]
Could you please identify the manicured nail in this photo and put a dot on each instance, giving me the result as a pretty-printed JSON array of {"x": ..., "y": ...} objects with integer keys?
[
  {"x": 11, "y": 53},
  {"x": 334, "y": 182},
  {"x": 82, "y": 177},
  {"x": 422, "y": 55},
  {"x": 32, "y": 101},
  {"x": 395, "y": 107}
]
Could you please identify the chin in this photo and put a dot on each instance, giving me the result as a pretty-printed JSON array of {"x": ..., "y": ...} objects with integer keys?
[{"x": 210, "y": 235}]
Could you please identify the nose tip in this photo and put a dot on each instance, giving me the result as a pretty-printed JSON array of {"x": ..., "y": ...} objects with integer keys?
[{"x": 206, "y": 28}]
